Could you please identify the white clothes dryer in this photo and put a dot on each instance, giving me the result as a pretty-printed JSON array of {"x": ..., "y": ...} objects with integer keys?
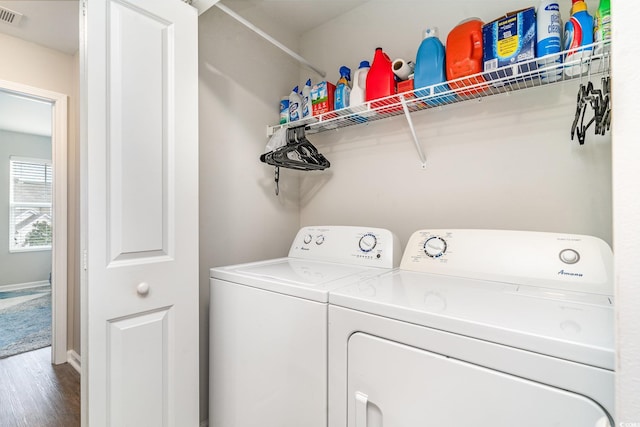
[
  {"x": 268, "y": 326},
  {"x": 477, "y": 328}
]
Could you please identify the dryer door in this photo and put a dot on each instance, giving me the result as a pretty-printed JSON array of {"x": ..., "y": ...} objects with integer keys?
[{"x": 394, "y": 385}]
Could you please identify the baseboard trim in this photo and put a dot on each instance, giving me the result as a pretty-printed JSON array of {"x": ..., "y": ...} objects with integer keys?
[
  {"x": 73, "y": 359},
  {"x": 19, "y": 286}
]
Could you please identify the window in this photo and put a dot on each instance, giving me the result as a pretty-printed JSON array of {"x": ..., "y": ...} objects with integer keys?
[{"x": 30, "y": 204}]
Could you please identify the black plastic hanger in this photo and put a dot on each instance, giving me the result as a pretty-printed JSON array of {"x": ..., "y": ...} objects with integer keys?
[{"x": 298, "y": 154}]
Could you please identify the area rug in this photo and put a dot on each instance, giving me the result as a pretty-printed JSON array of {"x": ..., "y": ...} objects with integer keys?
[{"x": 25, "y": 320}]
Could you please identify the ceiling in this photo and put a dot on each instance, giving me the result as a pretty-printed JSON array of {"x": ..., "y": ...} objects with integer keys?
[
  {"x": 55, "y": 24},
  {"x": 51, "y": 23},
  {"x": 299, "y": 16}
]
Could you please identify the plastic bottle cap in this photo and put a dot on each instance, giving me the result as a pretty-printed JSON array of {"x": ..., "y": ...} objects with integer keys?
[
  {"x": 308, "y": 83},
  {"x": 578, "y": 6},
  {"x": 364, "y": 64},
  {"x": 431, "y": 32},
  {"x": 295, "y": 89},
  {"x": 464, "y": 21}
]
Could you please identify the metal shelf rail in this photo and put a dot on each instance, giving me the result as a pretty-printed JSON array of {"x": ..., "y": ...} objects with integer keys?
[{"x": 591, "y": 60}]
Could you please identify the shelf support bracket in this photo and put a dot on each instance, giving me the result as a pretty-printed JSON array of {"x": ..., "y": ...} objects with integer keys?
[{"x": 423, "y": 159}]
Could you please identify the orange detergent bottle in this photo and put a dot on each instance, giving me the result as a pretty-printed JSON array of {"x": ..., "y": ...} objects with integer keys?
[{"x": 464, "y": 57}]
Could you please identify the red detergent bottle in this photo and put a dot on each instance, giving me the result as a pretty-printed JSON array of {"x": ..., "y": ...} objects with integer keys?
[{"x": 380, "y": 80}]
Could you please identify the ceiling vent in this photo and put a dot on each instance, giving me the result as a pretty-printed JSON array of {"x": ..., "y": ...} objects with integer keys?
[{"x": 8, "y": 16}]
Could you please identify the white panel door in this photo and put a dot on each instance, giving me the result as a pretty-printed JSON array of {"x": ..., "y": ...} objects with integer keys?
[
  {"x": 394, "y": 385},
  {"x": 140, "y": 214}
]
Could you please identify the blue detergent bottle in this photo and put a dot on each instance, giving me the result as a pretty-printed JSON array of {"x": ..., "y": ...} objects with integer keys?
[
  {"x": 343, "y": 90},
  {"x": 430, "y": 69}
]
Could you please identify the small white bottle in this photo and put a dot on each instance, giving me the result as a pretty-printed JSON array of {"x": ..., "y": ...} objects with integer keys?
[
  {"x": 307, "y": 111},
  {"x": 358, "y": 91},
  {"x": 295, "y": 105}
]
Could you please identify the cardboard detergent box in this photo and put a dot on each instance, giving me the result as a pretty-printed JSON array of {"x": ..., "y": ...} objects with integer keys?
[
  {"x": 510, "y": 41},
  {"x": 322, "y": 97}
]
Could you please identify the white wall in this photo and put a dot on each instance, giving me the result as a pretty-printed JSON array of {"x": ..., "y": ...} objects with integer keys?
[
  {"x": 40, "y": 67},
  {"x": 241, "y": 81},
  {"x": 506, "y": 162},
  {"x": 626, "y": 237},
  {"x": 20, "y": 267}
]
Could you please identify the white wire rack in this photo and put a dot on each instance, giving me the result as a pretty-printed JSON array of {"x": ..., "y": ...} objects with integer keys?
[{"x": 591, "y": 60}]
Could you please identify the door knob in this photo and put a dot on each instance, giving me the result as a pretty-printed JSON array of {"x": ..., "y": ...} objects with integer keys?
[{"x": 143, "y": 289}]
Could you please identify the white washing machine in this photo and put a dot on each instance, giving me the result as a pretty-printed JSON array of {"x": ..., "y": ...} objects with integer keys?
[
  {"x": 268, "y": 326},
  {"x": 477, "y": 328}
]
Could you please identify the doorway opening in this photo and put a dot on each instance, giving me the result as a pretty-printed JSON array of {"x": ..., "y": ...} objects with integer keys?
[{"x": 34, "y": 225}]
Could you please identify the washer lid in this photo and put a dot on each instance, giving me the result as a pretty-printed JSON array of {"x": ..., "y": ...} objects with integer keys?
[
  {"x": 569, "y": 325},
  {"x": 291, "y": 276}
]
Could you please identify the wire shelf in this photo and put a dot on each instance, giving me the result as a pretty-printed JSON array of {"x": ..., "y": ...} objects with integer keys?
[{"x": 582, "y": 63}]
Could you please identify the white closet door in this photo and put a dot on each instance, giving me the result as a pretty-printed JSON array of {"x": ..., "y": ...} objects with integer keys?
[
  {"x": 394, "y": 385},
  {"x": 140, "y": 222}
]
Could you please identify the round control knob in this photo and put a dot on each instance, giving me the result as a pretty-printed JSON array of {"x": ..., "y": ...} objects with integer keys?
[
  {"x": 320, "y": 240},
  {"x": 307, "y": 239},
  {"x": 367, "y": 242},
  {"x": 142, "y": 289},
  {"x": 569, "y": 256},
  {"x": 435, "y": 247}
]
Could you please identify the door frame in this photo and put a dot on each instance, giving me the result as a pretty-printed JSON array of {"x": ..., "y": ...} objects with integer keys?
[{"x": 59, "y": 145}]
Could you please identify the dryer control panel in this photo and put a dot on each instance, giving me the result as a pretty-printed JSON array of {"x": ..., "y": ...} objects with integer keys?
[
  {"x": 552, "y": 260},
  {"x": 366, "y": 246}
]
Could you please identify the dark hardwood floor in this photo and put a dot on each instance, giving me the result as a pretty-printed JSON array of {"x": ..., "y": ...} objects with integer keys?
[{"x": 35, "y": 393}]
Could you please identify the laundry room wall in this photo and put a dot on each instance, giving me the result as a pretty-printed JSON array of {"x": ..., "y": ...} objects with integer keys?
[
  {"x": 242, "y": 78},
  {"x": 505, "y": 162},
  {"x": 626, "y": 175}
]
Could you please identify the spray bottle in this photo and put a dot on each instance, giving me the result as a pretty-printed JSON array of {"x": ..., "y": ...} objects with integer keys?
[{"x": 343, "y": 90}]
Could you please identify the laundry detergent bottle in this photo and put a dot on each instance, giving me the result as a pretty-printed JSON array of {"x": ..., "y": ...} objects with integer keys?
[
  {"x": 602, "y": 29},
  {"x": 464, "y": 57},
  {"x": 578, "y": 32},
  {"x": 430, "y": 68},
  {"x": 359, "y": 88},
  {"x": 380, "y": 78},
  {"x": 549, "y": 39},
  {"x": 343, "y": 89}
]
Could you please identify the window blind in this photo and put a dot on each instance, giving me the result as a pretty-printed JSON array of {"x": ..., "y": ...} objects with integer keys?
[{"x": 30, "y": 196}]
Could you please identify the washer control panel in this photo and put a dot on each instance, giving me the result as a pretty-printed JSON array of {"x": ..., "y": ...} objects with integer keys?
[
  {"x": 348, "y": 244},
  {"x": 559, "y": 261}
]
